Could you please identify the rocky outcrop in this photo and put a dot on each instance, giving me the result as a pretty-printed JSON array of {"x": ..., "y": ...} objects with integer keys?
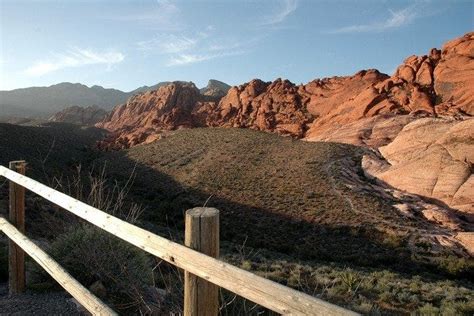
[
  {"x": 80, "y": 115},
  {"x": 431, "y": 157},
  {"x": 454, "y": 75},
  {"x": 371, "y": 132},
  {"x": 422, "y": 85},
  {"x": 426, "y": 85},
  {"x": 147, "y": 115}
]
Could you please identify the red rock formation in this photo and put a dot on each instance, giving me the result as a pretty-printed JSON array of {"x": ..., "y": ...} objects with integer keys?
[
  {"x": 80, "y": 115},
  {"x": 275, "y": 107},
  {"x": 146, "y": 115},
  {"x": 369, "y": 108},
  {"x": 435, "y": 84},
  {"x": 454, "y": 75}
]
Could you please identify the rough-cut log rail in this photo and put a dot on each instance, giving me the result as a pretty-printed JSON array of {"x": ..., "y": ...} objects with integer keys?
[
  {"x": 76, "y": 289},
  {"x": 264, "y": 292}
]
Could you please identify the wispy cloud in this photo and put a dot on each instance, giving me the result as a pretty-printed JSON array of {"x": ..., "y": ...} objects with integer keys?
[
  {"x": 395, "y": 20},
  {"x": 285, "y": 9},
  {"x": 184, "y": 59},
  {"x": 191, "y": 48},
  {"x": 75, "y": 57},
  {"x": 165, "y": 15},
  {"x": 170, "y": 43}
]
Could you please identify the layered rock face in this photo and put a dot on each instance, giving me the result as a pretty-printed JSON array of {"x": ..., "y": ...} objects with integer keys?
[
  {"x": 80, "y": 115},
  {"x": 146, "y": 115},
  {"x": 432, "y": 157},
  {"x": 454, "y": 74}
]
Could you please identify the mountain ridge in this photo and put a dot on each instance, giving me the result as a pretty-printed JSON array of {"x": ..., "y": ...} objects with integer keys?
[{"x": 44, "y": 101}]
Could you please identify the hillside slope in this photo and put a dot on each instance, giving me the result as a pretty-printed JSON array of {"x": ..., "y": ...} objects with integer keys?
[
  {"x": 86, "y": 116},
  {"x": 302, "y": 214},
  {"x": 307, "y": 199}
]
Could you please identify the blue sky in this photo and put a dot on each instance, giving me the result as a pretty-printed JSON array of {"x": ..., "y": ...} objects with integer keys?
[{"x": 127, "y": 44}]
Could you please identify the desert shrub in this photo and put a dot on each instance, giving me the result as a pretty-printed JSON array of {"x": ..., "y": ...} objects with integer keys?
[
  {"x": 458, "y": 308},
  {"x": 456, "y": 266},
  {"x": 428, "y": 310},
  {"x": 91, "y": 256},
  {"x": 350, "y": 280},
  {"x": 367, "y": 308}
]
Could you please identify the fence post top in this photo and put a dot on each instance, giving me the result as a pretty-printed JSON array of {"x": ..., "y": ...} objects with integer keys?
[
  {"x": 17, "y": 162},
  {"x": 202, "y": 212}
]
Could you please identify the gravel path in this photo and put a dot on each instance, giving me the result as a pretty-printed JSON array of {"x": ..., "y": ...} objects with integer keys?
[{"x": 56, "y": 303}]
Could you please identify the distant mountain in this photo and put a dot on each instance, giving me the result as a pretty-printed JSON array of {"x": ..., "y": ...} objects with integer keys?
[
  {"x": 42, "y": 102},
  {"x": 215, "y": 88},
  {"x": 79, "y": 115},
  {"x": 148, "y": 88}
]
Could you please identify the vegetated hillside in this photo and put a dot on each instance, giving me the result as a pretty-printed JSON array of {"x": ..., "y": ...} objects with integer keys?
[
  {"x": 86, "y": 116},
  {"x": 52, "y": 146},
  {"x": 309, "y": 200},
  {"x": 54, "y": 153},
  {"x": 303, "y": 214},
  {"x": 298, "y": 213}
]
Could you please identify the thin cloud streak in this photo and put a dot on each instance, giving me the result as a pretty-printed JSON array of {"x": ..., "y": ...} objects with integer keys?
[
  {"x": 185, "y": 59},
  {"x": 165, "y": 16},
  {"x": 287, "y": 8},
  {"x": 396, "y": 20},
  {"x": 76, "y": 57},
  {"x": 168, "y": 44},
  {"x": 185, "y": 49}
]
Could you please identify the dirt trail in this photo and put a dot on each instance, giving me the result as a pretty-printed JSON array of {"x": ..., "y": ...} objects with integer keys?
[{"x": 29, "y": 303}]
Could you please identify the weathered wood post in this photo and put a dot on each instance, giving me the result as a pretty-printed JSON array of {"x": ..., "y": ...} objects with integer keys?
[
  {"x": 16, "y": 255},
  {"x": 201, "y": 298}
]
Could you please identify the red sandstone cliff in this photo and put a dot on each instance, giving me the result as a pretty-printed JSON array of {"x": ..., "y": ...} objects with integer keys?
[{"x": 440, "y": 83}]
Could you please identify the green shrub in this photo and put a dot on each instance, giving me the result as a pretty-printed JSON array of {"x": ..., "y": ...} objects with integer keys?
[
  {"x": 427, "y": 310},
  {"x": 91, "y": 255},
  {"x": 351, "y": 280},
  {"x": 455, "y": 266}
]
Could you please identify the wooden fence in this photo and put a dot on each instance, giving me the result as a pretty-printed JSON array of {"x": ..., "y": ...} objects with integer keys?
[{"x": 204, "y": 273}]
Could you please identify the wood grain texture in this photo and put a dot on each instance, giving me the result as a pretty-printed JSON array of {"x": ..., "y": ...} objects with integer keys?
[
  {"x": 202, "y": 234},
  {"x": 16, "y": 255},
  {"x": 264, "y": 292},
  {"x": 77, "y": 290}
]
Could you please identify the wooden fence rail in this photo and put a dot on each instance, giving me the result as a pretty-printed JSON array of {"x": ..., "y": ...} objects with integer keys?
[
  {"x": 262, "y": 291},
  {"x": 79, "y": 292}
]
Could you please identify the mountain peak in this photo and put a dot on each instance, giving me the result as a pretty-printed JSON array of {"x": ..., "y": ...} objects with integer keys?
[{"x": 215, "y": 88}]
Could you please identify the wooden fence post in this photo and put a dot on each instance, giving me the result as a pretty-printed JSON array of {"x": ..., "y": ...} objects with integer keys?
[
  {"x": 201, "y": 298},
  {"x": 16, "y": 255}
]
